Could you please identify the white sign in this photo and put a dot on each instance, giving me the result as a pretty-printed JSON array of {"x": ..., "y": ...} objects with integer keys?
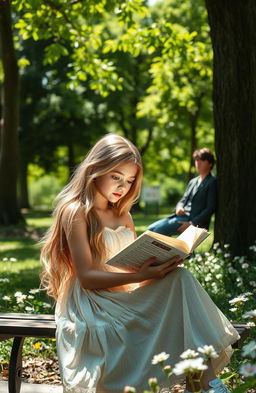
[{"x": 151, "y": 194}]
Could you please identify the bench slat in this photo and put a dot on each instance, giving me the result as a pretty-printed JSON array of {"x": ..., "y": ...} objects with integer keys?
[
  {"x": 43, "y": 325},
  {"x": 11, "y": 315},
  {"x": 27, "y": 325}
]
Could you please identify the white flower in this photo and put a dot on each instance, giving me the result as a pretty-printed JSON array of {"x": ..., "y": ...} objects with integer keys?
[
  {"x": 17, "y": 294},
  {"x": 167, "y": 368},
  {"x": 250, "y": 324},
  {"x": 248, "y": 370},
  {"x": 4, "y": 280},
  {"x": 208, "y": 351},
  {"x": 226, "y": 245},
  {"x": 129, "y": 389},
  {"x": 189, "y": 366},
  {"x": 189, "y": 354},
  {"x": 208, "y": 277},
  {"x": 252, "y": 283},
  {"x": 233, "y": 309},
  {"x": 161, "y": 357},
  {"x": 245, "y": 265},
  {"x": 13, "y": 259},
  {"x": 239, "y": 299},
  {"x": 249, "y": 349},
  {"x": 218, "y": 276},
  {"x": 33, "y": 291},
  {"x": 226, "y": 255},
  {"x": 5, "y": 259},
  {"x": 29, "y": 309},
  {"x": 250, "y": 314},
  {"x": 20, "y": 299},
  {"x": 46, "y": 305},
  {"x": 153, "y": 382},
  {"x": 231, "y": 270},
  {"x": 7, "y": 298}
]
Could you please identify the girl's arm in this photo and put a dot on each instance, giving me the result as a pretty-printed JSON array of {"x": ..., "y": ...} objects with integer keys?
[{"x": 91, "y": 278}]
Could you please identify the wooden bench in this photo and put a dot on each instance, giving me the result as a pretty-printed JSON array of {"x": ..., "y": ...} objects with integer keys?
[{"x": 20, "y": 326}]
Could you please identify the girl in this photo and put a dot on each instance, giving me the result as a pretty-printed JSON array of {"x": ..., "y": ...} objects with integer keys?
[{"x": 111, "y": 323}]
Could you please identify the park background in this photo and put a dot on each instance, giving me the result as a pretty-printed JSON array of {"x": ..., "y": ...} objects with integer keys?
[{"x": 171, "y": 76}]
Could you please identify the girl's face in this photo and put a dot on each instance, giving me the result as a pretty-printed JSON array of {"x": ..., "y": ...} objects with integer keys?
[{"x": 116, "y": 184}]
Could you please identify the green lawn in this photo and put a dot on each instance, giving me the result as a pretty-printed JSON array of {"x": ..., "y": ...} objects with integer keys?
[
  {"x": 26, "y": 250},
  {"x": 19, "y": 261}
]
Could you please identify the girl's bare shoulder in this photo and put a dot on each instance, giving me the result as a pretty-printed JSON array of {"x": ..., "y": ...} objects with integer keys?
[
  {"x": 73, "y": 214},
  {"x": 128, "y": 222}
]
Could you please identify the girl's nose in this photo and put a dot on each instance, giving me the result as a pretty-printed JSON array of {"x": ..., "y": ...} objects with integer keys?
[{"x": 121, "y": 184}]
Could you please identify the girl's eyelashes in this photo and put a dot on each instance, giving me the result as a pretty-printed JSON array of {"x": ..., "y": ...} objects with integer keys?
[{"x": 117, "y": 178}]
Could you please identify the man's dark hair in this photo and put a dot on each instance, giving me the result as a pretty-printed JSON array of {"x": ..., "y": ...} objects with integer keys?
[{"x": 204, "y": 154}]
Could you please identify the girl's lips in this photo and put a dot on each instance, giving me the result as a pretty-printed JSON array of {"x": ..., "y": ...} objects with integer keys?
[{"x": 117, "y": 195}]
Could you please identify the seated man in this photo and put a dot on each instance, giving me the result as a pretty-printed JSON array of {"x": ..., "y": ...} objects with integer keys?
[{"x": 199, "y": 201}]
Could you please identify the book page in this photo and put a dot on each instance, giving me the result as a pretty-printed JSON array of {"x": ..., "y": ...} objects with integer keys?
[
  {"x": 172, "y": 241},
  {"x": 143, "y": 248},
  {"x": 193, "y": 236}
]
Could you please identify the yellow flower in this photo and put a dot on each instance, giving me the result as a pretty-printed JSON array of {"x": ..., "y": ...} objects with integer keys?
[{"x": 37, "y": 345}]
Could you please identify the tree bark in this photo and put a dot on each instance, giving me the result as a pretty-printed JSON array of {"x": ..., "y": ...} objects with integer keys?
[
  {"x": 193, "y": 117},
  {"x": 9, "y": 212},
  {"x": 233, "y": 36},
  {"x": 23, "y": 185}
]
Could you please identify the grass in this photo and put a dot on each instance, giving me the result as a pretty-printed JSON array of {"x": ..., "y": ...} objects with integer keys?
[{"x": 20, "y": 256}]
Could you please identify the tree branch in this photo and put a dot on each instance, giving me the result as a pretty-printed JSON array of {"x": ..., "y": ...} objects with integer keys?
[
  {"x": 146, "y": 144},
  {"x": 58, "y": 8}
]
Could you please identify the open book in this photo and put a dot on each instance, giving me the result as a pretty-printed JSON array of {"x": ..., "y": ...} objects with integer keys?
[{"x": 152, "y": 244}]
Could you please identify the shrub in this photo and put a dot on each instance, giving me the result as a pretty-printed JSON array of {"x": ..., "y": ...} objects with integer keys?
[{"x": 43, "y": 191}]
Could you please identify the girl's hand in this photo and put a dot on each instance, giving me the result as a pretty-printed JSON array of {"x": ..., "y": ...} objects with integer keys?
[{"x": 147, "y": 271}]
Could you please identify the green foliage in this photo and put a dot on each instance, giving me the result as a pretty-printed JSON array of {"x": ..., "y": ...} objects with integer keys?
[
  {"x": 43, "y": 191},
  {"x": 218, "y": 272},
  {"x": 76, "y": 31},
  {"x": 151, "y": 66}
]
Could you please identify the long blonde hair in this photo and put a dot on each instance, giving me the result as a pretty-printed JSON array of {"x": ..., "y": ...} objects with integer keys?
[{"x": 109, "y": 152}]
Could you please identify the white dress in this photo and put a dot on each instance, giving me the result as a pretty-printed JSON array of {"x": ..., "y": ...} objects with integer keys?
[{"x": 106, "y": 340}]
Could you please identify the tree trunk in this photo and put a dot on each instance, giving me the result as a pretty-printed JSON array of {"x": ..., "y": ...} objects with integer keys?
[
  {"x": 193, "y": 117},
  {"x": 233, "y": 35},
  {"x": 23, "y": 183},
  {"x": 9, "y": 212}
]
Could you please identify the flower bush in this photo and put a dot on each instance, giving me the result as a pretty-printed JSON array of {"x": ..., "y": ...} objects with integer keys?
[
  {"x": 194, "y": 363},
  {"x": 225, "y": 277}
]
